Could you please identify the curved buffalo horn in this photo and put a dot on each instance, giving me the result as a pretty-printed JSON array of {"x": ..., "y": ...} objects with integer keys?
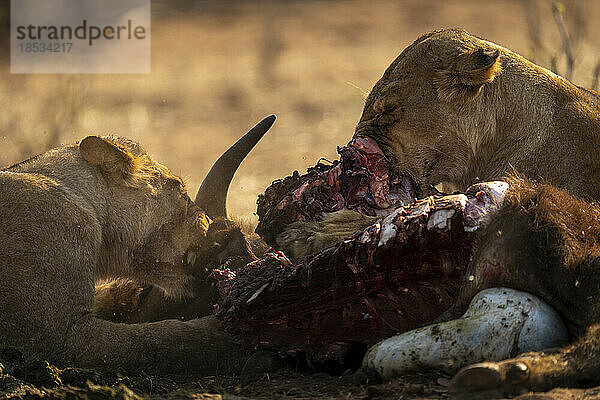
[{"x": 212, "y": 195}]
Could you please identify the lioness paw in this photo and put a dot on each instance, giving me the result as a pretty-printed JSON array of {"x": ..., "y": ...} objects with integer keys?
[
  {"x": 301, "y": 239},
  {"x": 508, "y": 376}
]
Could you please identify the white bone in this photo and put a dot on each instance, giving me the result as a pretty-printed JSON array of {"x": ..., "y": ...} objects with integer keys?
[
  {"x": 440, "y": 219},
  {"x": 478, "y": 209},
  {"x": 388, "y": 230},
  {"x": 500, "y": 323}
]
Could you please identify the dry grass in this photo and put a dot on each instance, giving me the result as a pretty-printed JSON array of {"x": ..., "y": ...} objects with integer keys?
[{"x": 220, "y": 67}]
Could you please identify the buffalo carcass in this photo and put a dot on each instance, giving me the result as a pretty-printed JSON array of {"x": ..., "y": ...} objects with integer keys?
[{"x": 419, "y": 262}]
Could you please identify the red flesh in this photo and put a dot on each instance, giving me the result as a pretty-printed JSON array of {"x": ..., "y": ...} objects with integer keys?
[
  {"x": 355, "y": 292},
  {"x": 360, "y": 181},
  {"x": 359, "y": 291}
]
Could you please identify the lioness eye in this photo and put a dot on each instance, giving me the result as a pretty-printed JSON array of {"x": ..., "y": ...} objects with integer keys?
[
  {"x": 390, "y": 108},
  {"x": 384, "y": 107}
]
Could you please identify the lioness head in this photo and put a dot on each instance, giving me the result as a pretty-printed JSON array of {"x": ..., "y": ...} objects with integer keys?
[
  {"x": 425, "y": 108},
  {"x": 151, "y": 225}
]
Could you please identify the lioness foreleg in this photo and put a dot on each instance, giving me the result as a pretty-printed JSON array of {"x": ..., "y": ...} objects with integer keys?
[
  {"x": 573, "y": 365},
  {"x": 118, "y": 299},
  {"x": 300, "y": 239},
  {"x": 127, "y": 301},
  {"x": 169, "y": 346}
]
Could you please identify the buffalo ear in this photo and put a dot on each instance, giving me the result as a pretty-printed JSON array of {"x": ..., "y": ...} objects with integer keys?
[
  {"x": 467, "y": 74},
  {"x": 109, "y": 157}
]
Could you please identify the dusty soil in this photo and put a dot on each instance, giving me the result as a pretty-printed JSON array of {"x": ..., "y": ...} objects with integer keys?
[{"x": 37, "y": 379}]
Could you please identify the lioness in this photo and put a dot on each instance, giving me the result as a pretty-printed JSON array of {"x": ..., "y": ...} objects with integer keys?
[
  {"x": 103, "y": 208},
  {"x": 454, "y": 109}
]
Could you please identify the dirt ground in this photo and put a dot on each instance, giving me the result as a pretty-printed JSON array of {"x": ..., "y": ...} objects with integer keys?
[
  {"x": 217, "y": 68},
  {"x": 40, "y": 380}
]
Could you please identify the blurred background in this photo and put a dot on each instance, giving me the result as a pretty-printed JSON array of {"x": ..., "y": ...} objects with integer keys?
[{"x": 220, "y": 66}]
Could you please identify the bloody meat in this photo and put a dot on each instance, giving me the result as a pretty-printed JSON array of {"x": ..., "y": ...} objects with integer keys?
[{"x": 391, "y": 277}]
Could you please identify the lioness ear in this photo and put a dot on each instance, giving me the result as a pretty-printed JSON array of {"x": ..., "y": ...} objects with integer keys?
[
  {"x": 467, "y": 74},
  {"x": 112, "y": 159}
]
